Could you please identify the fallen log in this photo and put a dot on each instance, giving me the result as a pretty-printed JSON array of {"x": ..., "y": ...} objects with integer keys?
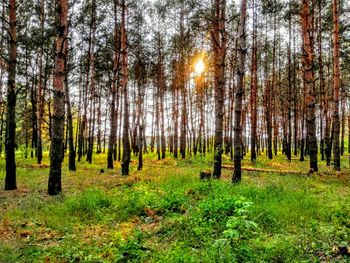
[{"x": 251, "y": 169}]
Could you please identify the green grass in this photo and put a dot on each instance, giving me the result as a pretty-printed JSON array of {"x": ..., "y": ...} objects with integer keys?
[{"x": 166, "y": 214}]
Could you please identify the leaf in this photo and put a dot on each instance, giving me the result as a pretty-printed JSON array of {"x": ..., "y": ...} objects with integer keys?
[{"x": 231, "y": 233}]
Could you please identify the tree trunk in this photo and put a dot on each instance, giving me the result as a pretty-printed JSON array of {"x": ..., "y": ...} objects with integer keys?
[
  {"x": 310, "y": 100},
  {"x": 10, "y": 179},
  {"x": 323, "y": 107},
  {"x": 343, "y": 120},
  {"x": 219, "y": 46},
  {"x": 336, "y": 84},
  {"x": 91, "y": 132},
  {"x": 237, "y": 174},
  {"x": 254, "y": 86},
  {"x": 71, "y": 158},
  {"x": 175, "y": 119},
  {"x": 126, "y": 126},
  {"x": 182, "y": 86},
  {"x": 116, "y": 62},
  {"x": 40, "y": 99},
  {"x": 56, "y": 153},
  {"x": 289, "y": 136}
]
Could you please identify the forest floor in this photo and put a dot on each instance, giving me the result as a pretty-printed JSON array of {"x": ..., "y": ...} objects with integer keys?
[{"x": 164, "y": 213}]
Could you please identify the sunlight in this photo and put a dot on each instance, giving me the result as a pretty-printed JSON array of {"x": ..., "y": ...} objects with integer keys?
[{"x": 199, "y": 67}]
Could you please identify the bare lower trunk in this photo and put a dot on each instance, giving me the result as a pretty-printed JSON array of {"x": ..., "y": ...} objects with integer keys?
[
  {"x": 237, "y": 174},
  {"x": 310, "y": 100},
  {"x": 336, "y": 84},
  {"x": 126, "y": 126},
  {"x": 10, "y": 179},
  {"x": 56, "y": 151},
  {"x": 71, "y": 158},
  {"x": 219, "y": 46}
]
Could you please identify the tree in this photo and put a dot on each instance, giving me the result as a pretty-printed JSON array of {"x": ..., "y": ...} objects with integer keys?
[
  {"x": 10, "y": 179},
  {"x": 182, "y": 84},
  {"x": 114, "y": 91},
  {"x": 219, "y": 47},
  {"x": 124, "y": 49},
  {"x": 92, "y": 100},
  {"x": 71, "y": 162},
  {"x": 40, "y": 97},
  {"x": 308, "y": 76},
  {"x": 56, "y": 150},
  {"x": 237, "y": 174},
  {"x": 254, "y": 86},
  {"x": 336, "y": 84}
]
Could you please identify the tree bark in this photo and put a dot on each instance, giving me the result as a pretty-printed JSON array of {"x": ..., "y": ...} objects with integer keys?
[
  {"x": 336, "y": 85},
  {"x": 90, "y": 143},
  {"x": 56, "y": 151},
  {"x": 237, "y": 174},
  {"x": 116, "y": 62},
  {"x": 71, "y": 158},
  {"x": 310, "y": 100},
  {"x": 40, "y": 99},
  {"x": 10, "y": 179},
  {"x": 126, "y": 126},
  {"x": 183, "y": 123},
  {"x": 254, "y": 85},
  {"x": 219, "y": 47}
]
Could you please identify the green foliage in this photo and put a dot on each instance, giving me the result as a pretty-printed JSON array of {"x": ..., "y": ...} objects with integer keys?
[
  {"x": 91, "y": 203},
  {"x": 132, "y": 249},
  {"x": 169, "y": 215},
  {"x": 239, "y": 225},
  {"x": 218, "y": 209}
]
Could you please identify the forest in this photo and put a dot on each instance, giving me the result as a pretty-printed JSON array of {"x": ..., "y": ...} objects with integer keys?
[{"x": 174, "y": 131}]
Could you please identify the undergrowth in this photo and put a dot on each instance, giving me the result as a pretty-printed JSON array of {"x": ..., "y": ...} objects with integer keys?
[{"x": 166, "y": 214}]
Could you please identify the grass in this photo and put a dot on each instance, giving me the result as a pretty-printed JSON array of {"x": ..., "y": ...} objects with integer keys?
[{"x": 164, "y": 213}]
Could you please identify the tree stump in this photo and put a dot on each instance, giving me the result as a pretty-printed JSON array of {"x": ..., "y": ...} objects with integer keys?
[{"x": 205, "y": 175}]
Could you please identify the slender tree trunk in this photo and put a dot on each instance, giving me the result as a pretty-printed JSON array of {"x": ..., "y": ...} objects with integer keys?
[
  {"x": 323, "y": 110},
  {"x": 116, "y": 62},
  {"x": 237, "y": 174},
  {"x": 254, "y": 84},
  {"x": 71, "y": 158},
  {"x": 289, "y": 138},
  {"x": 273, "y": 107},
  {"x": 56, "y": 153},
  {"x": 99, "y": 123},
  {"x": 175, "y": 119},
  {"x": 26, "y": 112},
  {"x": 156, "y": 99},
  {"x": 2, "y": 105},
  {"x": 183, "y": 124},
  {"x": 219, "y": 46},
  {"x": 336, "y": 84},
  {"x": 112, "y": 133},
  {"x": 105, "y": 131},
  {"x": 40, "y": 99},
  {"x": 120, "y": 127},
  {"x": 343, "y": 120},
  {"x": 140, "y": 155},
  {"x": 295, "y": 96},
  {"x": 328, "y": 128},
  {"x": 91, "y": 132},
  {"x": 310, "y": 100},
  {"x": 162, "y": 131},
  {"x": 34, "y": 121},
  {"x": 126, "y": 126},
  {"x": 10, "y": 179}
]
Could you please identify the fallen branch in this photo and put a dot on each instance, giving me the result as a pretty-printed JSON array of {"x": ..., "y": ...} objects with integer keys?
[{"x": 251, "y": 169}]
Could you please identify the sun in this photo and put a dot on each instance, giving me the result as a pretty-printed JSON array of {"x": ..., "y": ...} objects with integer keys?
[{"x": 199, "y": 67}]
